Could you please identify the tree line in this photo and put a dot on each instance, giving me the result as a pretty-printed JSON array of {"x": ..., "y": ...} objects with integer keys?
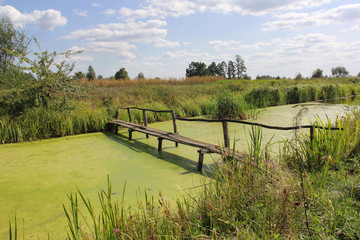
[{"x": 231, "y": 70}]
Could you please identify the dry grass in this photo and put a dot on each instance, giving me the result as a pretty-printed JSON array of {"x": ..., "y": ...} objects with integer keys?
[{"x": 149, "y": 81}]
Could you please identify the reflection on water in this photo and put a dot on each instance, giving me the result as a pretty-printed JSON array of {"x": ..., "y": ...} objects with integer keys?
[{"x": 36, "y": 177}]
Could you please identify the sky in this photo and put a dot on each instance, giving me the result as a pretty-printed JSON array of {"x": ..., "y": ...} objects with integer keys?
[{"x": 160, "y": 38}]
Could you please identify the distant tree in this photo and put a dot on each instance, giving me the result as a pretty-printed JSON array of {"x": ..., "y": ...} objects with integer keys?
[
  {"x": 12, "y": 42},
  {"x": 339, "y": 71},
  {"x": 318, "y": 73},
  {"x": 231, "y": 70},
  {"x": 100, "y": 77},
  {"x": 91, "y": 73},
  {"x": 121, "y": 74},
  {"x": 213, "y": 69},
  {"x": 240, "y": 66},
  {"x": 358, "y": 74},
  {"x": 222, "y": 69},
  {"x": 79, "y": 75},
  {"x": 298, "y": 76},
  {"x": 140, "y": 75},
  {"x": 197, "y": 69}
]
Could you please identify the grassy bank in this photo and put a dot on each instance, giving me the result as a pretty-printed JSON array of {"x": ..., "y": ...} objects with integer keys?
[
  {"x": 310, "y": 191},
  {"x": 212, "y": 97}
]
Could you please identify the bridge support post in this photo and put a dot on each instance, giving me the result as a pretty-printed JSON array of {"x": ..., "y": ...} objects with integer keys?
[
  {"x": 226, "y": 134},
  {"x": 201, "y": 160},
  {"x": 160, "y": 144},
  {"x": 130, "y": 134}
]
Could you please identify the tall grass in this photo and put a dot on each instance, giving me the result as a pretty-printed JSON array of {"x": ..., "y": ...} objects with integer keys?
[{"x": 39, "y": 123}]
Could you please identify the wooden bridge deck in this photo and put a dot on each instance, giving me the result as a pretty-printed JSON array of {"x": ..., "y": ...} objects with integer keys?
[{"x": 175, "y": 137}]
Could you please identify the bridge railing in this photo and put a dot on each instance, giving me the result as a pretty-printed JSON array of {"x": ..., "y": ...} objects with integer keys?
[
  {"x": 223, "y": 121},
  {"x": 144, "y": 111},
  {"x": 226, "y": 128}
]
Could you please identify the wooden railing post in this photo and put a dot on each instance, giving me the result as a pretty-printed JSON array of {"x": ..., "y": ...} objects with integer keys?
[
  {"x": 226, "y": 133},
  {"x": 173, "y": 116},
  {"x": 145, "y": 121},
  {"x": 129, "y": 113},
  {"x": 311, "y": 134}
]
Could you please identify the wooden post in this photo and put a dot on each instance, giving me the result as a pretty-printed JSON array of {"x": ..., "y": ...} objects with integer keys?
[
  {"x": 145, "y": 121},
  {"x": 201, "y": 160},
  {"x": 129, "y": 113},
  {"x": 173, "y": 116},
  {"x": 311, "y": 134},
  {"x": 130, "y": 134},
  {"x": 116, "y": 128},
  {"x": 226, "y": 133},
  {"x": 159, "y": 144},
  {"x": 117, "y": 112}
]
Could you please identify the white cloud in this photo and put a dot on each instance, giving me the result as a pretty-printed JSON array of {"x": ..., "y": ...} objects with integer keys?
[
  {"x": 150, "y": 31},
  {"x": 354, "y": 28},
  {"x": 96, "y": 4},
  {"x": 44, "y": 20},
  {"x": 165, "y": 43},
  {"x": 109, "y": 12},
  {"x": 295, "y": 20},
  {"x": 119, "y": 38},
  {"x": 175, "y": 8},
  {"x": 80, "y": 13}
]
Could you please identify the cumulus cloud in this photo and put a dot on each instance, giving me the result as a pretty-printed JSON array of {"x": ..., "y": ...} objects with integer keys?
[
  {"x": 120, "y": 37},
  {"x": 44, "y": 20},
  {"x": 175, "y": 8},
  {"x": 295, "y": 20}
]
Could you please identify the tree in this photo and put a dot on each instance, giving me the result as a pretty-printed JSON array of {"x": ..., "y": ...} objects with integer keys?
[
  {"x": 13, "y": 42},
  {"x": 121, "y": 74},
  {"x": 43, "y": 87},
  {"x": 240, "y": 66},
  {"x": 79, "y": 75},
  {"x": 318, "y": 73},
  {"x": 231, "y": 70},
  {"x": 339, "y": 71},
  {"x": 222, "y": 69},
  {"x": 140, "y": 75},
  {"x": 100, "y": 77},
  {"x": 213, "y": 69},
  {"x": 197, "y": 69},
  {"x": 91, "y": 73}
]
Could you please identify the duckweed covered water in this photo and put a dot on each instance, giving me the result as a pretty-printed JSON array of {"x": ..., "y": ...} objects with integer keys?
[{"x": 37, "y": 177}]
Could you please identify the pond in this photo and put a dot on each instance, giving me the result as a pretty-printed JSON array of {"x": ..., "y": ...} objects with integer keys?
[{"x": 37, "y": 177}]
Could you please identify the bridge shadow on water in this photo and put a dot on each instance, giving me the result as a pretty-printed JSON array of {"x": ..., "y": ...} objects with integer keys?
[{"x": 189, "y": 165}]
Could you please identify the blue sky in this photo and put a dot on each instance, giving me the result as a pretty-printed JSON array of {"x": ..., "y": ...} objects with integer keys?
[{"x": 161, "y": 37}]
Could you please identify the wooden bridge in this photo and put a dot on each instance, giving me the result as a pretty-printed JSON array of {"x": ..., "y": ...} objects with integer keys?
[{"x": 201, "y": 146}]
